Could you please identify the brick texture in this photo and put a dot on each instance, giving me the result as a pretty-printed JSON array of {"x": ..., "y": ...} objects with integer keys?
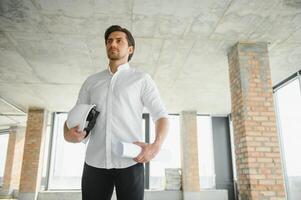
[
  {"x": 257, "y": 151},
  {"x": 33, "y": 151},
  {"x": 189, "y": 152},
  {"x": 12, "y": 173}
]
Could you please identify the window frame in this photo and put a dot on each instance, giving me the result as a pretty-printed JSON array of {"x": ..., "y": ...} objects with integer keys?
[{"x": 277, "y": 87}]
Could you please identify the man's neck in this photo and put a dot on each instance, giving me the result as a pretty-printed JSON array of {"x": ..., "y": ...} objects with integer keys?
[{"x": 115, "y": 64}]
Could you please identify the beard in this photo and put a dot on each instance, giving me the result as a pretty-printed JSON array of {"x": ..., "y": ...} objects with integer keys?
[{"x": 115, "y": 55}]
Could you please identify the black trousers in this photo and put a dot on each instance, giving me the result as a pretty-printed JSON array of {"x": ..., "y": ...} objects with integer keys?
[{"x": 98, "y": 184}]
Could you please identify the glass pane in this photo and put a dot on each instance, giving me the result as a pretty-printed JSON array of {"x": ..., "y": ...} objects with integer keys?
[
  {"x": 172, "y": 146},
  {"x": 205, "y": 152},
  {"x": 46, "y": 158},
  {"x": 289, "y": 115},
  {"x": 67, "y": 159},
  {"x": 3, "y": 152},
  {"x": 233, "y": 151}
]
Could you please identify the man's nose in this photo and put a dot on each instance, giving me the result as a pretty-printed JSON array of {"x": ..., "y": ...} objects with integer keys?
[{"x": 113, "y": 44}]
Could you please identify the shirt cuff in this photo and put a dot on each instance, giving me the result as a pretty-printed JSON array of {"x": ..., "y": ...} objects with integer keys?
[{"x": 159, "y": 116}]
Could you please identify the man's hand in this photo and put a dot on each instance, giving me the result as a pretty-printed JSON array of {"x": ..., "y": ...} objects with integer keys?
[
  {"x": 149, "y": 151},
  {"x": 73, "y": 135}
]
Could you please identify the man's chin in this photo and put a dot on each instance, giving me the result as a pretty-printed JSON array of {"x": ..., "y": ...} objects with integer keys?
[{"x": 114, "y": 58}]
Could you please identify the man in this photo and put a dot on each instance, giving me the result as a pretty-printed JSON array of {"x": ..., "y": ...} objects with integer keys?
[{"x": 120, "y": 93}]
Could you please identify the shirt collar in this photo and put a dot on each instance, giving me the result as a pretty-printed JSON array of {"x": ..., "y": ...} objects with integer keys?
[{"x": 119, "y": 68}]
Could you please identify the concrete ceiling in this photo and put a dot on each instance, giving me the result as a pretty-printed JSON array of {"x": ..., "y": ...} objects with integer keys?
[{"x": 49, "y": 47}]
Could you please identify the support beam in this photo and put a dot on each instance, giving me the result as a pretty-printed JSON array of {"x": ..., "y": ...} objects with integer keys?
[
  {"x": 13, "y": 164},
  {"x": 257, "y": 149},
  {"x": 189, "y": 155},
  {"x": 33, "y": 154}
]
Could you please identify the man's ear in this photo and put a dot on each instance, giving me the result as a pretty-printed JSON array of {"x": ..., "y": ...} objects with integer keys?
[{"x": 131, "y": 49}]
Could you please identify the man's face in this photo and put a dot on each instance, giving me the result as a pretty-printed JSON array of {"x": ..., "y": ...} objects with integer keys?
[{"x": 117, "y": 46}]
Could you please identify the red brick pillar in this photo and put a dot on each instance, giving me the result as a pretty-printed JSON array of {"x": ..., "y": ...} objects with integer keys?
[
  {"x": 189, "y": 155},
  {"x": 33, "y": 154},
  {"x": 12, "y": 172},
  {"x": 258, "y": 161}
]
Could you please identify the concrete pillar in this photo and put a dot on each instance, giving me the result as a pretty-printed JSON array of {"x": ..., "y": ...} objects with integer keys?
[
  {"x": 12, "y": 172},
  {"x": 257, "y": 147},
  {"x": 189, "y": 155},
  {"x": 33, "y": 154}
]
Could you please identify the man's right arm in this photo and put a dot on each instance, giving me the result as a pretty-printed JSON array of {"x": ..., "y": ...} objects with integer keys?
[{"x": 73, "y": 135}]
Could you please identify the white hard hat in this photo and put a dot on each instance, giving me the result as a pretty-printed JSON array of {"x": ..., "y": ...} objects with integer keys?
[{"x": 83, "y": 115}]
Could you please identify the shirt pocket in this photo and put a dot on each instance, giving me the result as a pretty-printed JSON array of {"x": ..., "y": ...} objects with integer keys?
[
  {"x": 98, "y": 94},
  {"x": 128, "y": 91}
]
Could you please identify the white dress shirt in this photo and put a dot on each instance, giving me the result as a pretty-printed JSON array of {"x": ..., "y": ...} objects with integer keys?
[{"x": 120, "y": 99}]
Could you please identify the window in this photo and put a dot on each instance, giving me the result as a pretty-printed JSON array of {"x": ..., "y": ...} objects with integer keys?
[
  {"x": 288, "y": 102},
  {"x": 67, "y": 159},
  {"x": 205, "y": 152},
  {"x": 233, "y": 154},
  {"x": 172, "y": 146},
  {"x": 44, "y": 182},
  {"x": 3, "y": 151}
]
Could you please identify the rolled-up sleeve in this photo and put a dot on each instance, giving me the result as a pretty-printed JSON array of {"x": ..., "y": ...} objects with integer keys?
[{"x": 151, "y": 99}]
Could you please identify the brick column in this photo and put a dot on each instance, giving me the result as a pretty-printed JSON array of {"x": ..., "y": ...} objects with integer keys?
[
  {"x": 33, "y": 154},
  {"x": 12, "y": 172},
  {"x": 189, "y": 155},
  {"x": 257, "y": 147}
]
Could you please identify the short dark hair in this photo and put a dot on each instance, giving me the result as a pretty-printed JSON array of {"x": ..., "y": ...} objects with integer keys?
[{"x": 129, "y": 37}]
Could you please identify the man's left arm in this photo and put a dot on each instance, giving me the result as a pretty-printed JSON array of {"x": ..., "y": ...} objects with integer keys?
[
  {"x": 151, "y": 100},
  {"x": 149, "y": 151}
]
